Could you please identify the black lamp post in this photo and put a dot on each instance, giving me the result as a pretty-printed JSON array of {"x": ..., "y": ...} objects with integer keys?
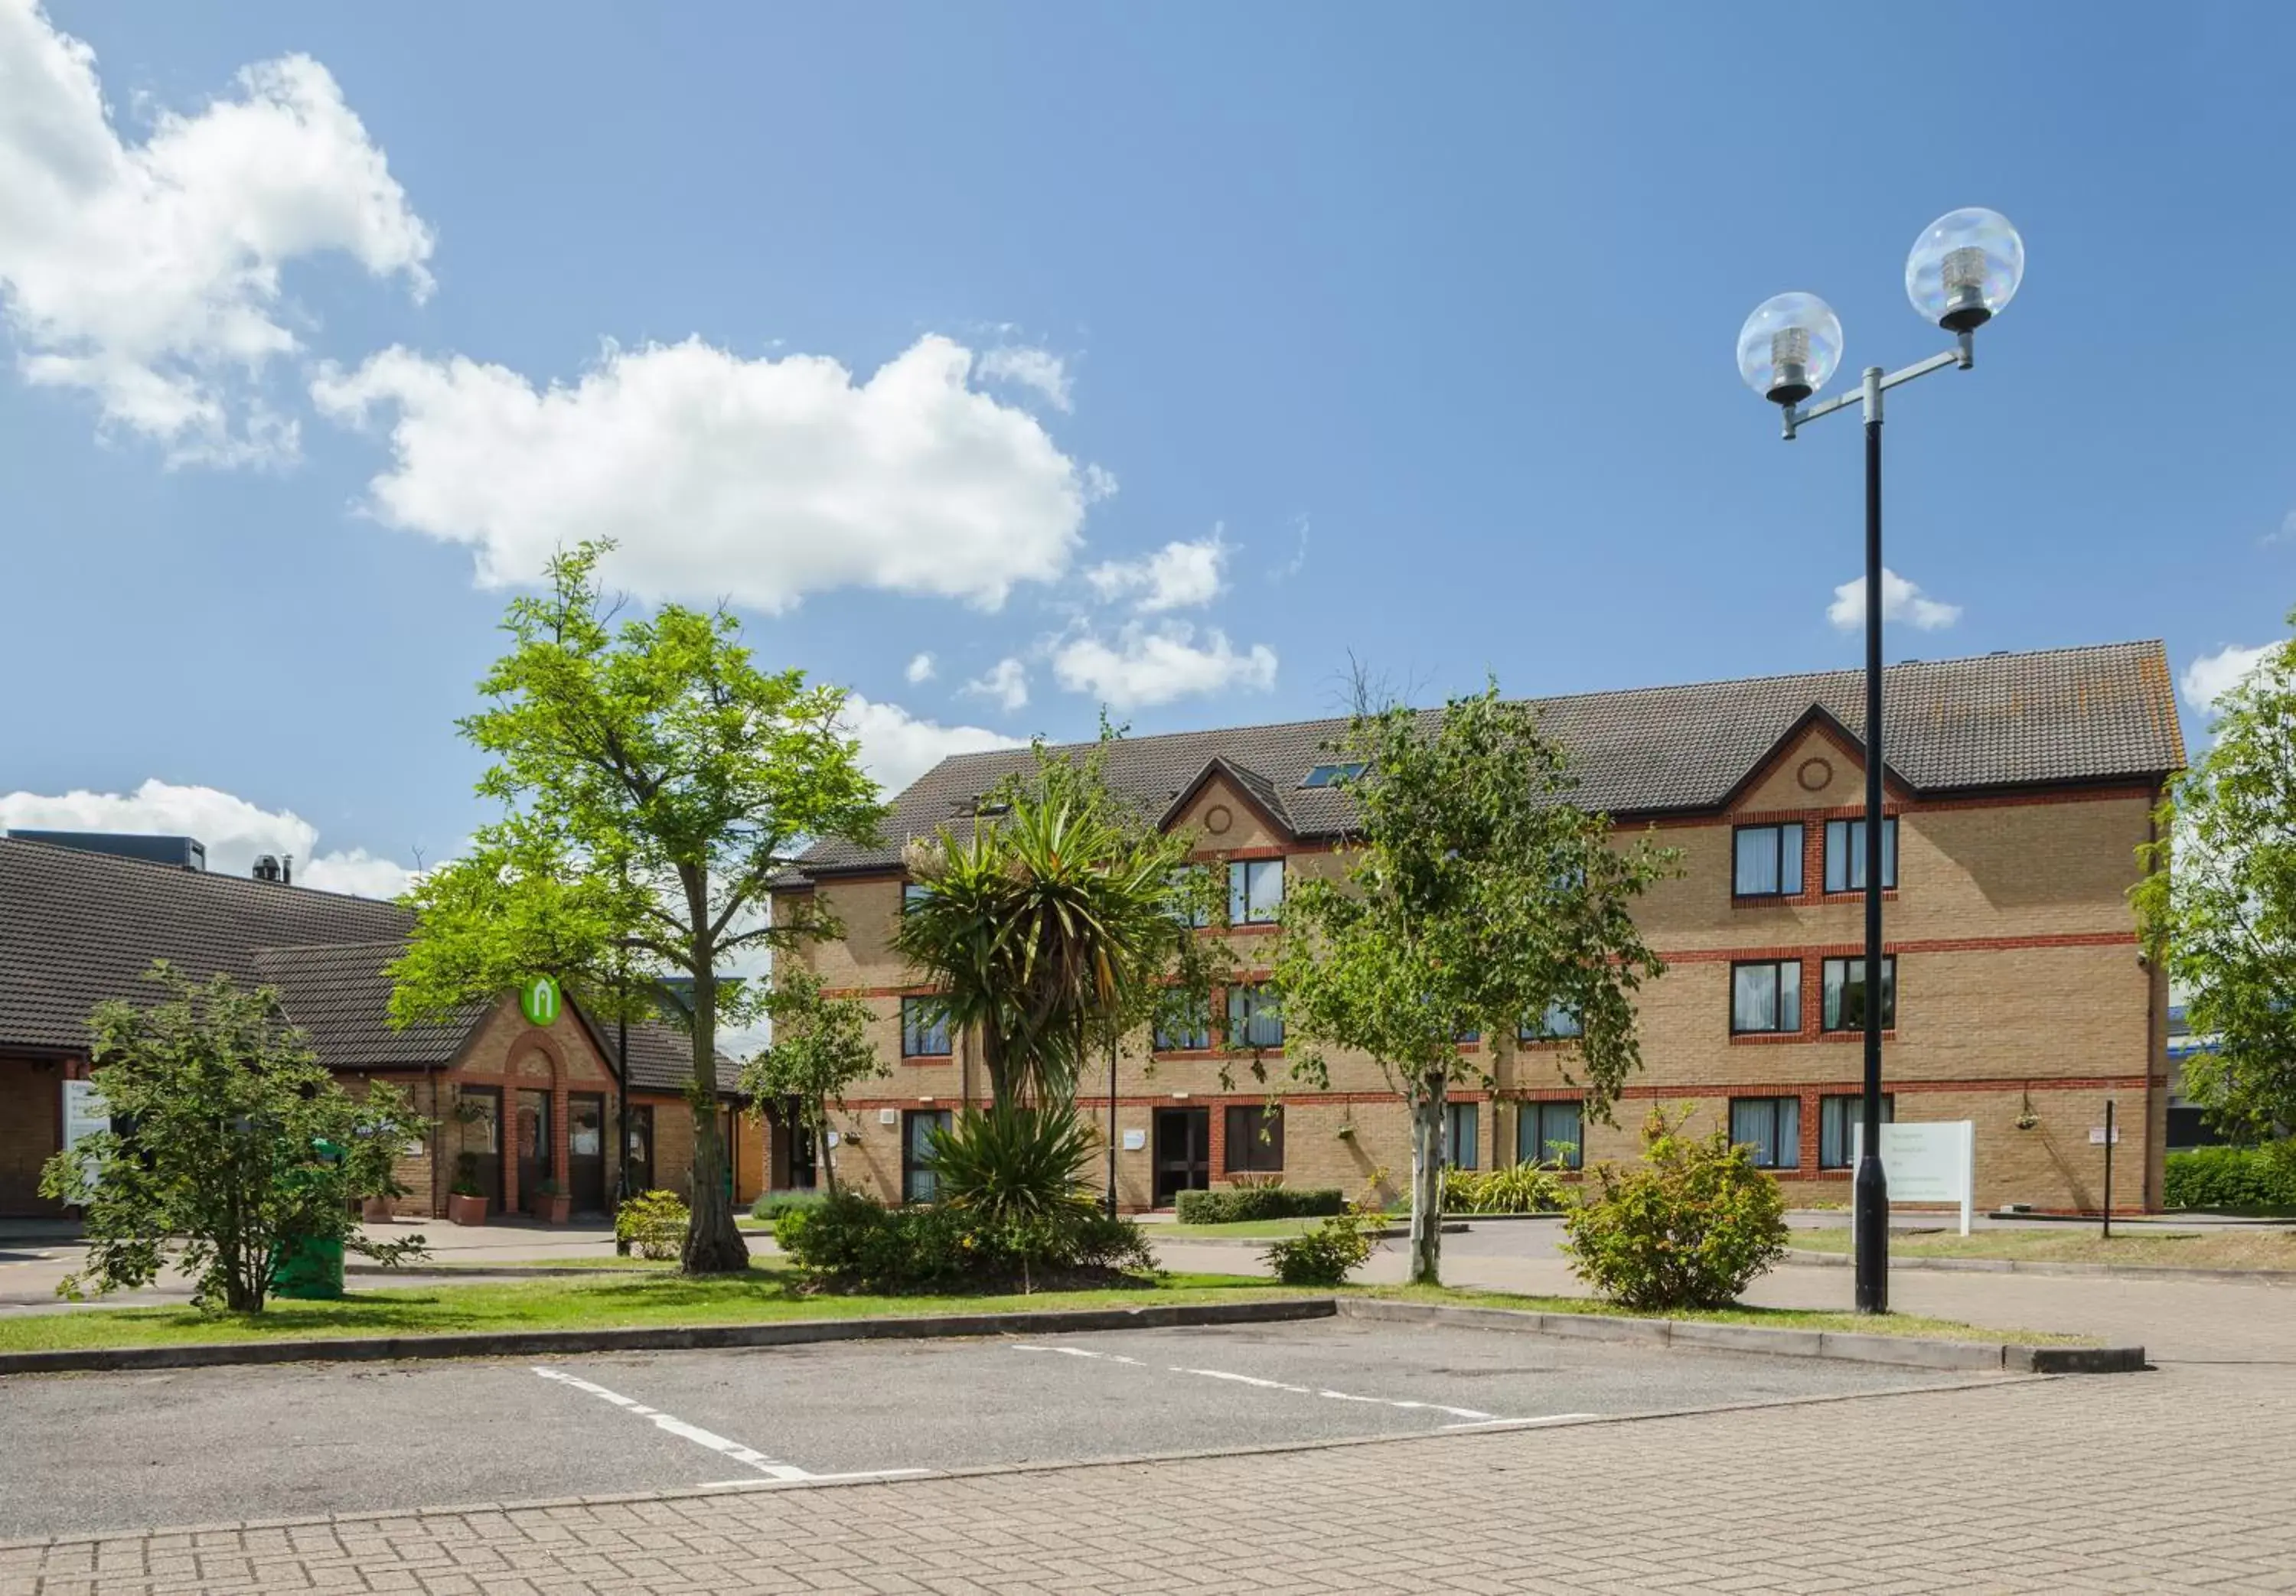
[{"x": 1963, "y": 268}]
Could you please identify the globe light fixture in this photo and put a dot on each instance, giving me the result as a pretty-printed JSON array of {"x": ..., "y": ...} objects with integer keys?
[
  {"x": 1788, "y": 347},
  {"x": 1964, "y": 268}
]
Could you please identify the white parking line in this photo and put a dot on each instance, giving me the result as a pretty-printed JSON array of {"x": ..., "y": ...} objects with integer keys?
[
  {"x": 769, "y": 1469},
  {"x": 1469, "y": 1418}
]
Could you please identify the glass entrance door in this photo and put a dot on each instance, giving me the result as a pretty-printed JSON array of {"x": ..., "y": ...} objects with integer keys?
[
  {"x": 1184, "y": 1152},
  {"x": 532, "y": 1131},
  {"x": 919, "y": 1184},
  {"x": 481, "y": 1116},
  {"x": 585, "y": 1151}
]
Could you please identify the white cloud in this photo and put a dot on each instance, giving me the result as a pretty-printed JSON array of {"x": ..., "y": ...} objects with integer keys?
[
  {"x": 921, "y": 668},
  {"x": 1142, "y": 668},
  {"x": 234, "y": 830},
  {"x": 1040, "y": 369},
  {"x": 759, "y": 480},
  {"x": 1006, "y": 682},
  {"x": 148, "y": 274},
  {"x": 897, "y": 748},
  {"x": 1901, "y": 600},
  {"x": 1176, "y": 577},
  {"x": 2210, "y": 676}
]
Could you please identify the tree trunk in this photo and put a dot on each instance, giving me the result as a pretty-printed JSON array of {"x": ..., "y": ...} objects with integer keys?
[
  {"x": 1427, "y": 1179},
  {"x": 713, "y": 1243},
  {"x": 822, "y": 1153}
]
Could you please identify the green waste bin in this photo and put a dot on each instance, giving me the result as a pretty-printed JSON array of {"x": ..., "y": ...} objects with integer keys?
[{"x": 309, "y": 1268}]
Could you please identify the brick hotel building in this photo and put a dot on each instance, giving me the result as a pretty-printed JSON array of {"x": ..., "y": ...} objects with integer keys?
[{"x": 2019, "y": 788}]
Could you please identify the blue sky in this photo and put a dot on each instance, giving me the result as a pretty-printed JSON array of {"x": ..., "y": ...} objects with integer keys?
[{"x": 925, "y": 329}]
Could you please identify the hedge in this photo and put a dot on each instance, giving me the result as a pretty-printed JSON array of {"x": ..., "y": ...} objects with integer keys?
[
  {"x": 2231, "y": 1177},
  {"x": 1260, "y": 1202}
]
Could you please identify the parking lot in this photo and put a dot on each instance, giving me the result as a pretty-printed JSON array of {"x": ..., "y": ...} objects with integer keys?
[{"x": 95, "y": 1453}]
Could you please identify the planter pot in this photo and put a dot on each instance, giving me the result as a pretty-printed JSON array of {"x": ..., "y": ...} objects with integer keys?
[
  {"x": 466, "y": 1210},
  {"x": 555, "y": 1210},
  {"x": 375, "y": 1210}
]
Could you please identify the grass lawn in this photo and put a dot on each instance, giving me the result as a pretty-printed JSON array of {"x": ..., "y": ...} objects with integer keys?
[
  {"x": 765, "y": 1293},
  {"x": 2245, "y": 1248},
  {"x": 1813, "y": 1318}
]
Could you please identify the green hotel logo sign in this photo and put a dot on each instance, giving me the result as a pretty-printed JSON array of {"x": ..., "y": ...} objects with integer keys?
[{"x": 538, "y": 999}]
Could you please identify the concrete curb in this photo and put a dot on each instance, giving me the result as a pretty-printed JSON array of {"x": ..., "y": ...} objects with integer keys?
[
  {"x": 789, "y": 1333},
  {"x": 2127, "y": 1271},
  {"x": 1910, "y": 1351}
]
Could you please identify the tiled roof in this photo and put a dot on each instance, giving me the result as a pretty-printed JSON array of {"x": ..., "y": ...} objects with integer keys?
[
  {"x": 78, "y": 927},
  {"x": 2004, "y": 720}
]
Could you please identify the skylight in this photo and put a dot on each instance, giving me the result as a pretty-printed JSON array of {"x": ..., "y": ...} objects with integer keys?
[{"x": 1326, "y": 775}]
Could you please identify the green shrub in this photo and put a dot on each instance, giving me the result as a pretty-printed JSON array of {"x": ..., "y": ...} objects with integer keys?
[
  {"x": 855, "y": 1243},
  {"x": 773, "y": 1204},
  {"x": 1236, "y": 1203},
  {"x": 653, "y": 1222},
  {"x": 1324, "y": 1256},
  {"x": 1013, "y": 1164},
  {"x": 1515, "y": 1188},
  {"x": 1686, "y": 1228},
  {"x": 2232, "y": 1177}
]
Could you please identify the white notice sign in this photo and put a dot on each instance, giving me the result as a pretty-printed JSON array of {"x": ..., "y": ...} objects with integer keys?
[
  {"x": 2097, "y": 1136},
  {"x": 85, "y": 1113},
  {"x": 1134, "y": 1140},
  {"x": 1934, "y": 1161}
]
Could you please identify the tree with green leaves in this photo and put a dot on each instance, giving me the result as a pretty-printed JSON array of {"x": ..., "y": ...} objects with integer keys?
[
  {"x": 654, "y": 780},
  {"x": 239, "y": 1142},
  {"x": 2218, "y": 903},
  {"x": 820, "y": 1046},
  {"x": 1058, "y": 924},
  {"x": 1476, "y": 897}
]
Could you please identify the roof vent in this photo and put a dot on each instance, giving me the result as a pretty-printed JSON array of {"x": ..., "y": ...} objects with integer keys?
[
  {"x": 184, "y": 853},
  {"x": 275, "y": 867}
]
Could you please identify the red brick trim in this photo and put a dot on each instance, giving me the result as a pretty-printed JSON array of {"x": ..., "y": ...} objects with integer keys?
[
  {"x": 1934, "y": 945},
  {"x": 1902, "y": 804}
]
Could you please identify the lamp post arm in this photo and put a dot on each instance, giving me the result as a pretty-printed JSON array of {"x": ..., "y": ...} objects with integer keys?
[{"x": 1962, "y": 356}]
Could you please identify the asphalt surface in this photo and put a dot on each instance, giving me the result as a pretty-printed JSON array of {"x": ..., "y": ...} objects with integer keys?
[{"x": 98, "y": 1452}]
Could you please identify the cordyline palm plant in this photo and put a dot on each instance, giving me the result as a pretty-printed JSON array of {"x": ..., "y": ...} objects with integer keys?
[{"x": 1057, "y": 925}]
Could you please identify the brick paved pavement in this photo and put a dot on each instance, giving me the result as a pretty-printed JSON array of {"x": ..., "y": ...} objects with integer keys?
[{"x": 2182, "y": 1478}]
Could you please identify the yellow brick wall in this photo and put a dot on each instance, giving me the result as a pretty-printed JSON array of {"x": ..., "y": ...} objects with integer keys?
[{"x": 2017, "y": 971}]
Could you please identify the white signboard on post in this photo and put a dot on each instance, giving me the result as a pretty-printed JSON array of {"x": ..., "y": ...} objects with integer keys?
[
  {"x": 85, "y": 1114},
  {"x": 1930, "y": 1161}
]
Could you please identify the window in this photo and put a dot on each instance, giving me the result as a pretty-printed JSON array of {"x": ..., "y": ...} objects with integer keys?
[
  {"x": 1560, "y": 1019},
  {"x": 1461, "y": 1124},
  {"x": 1845, "y": 855},
  {"x": 1190, "y": 906},
  {"x": 1255, "y": 1139},
  {"x": 1182, "y": 1026},
  {"x": 1550, "y": 1133},
  {"x": 1467, "y": 1036},
  {"x": 1255, "y": 891},
  {"x": 1766, "y": 997},
  {"x": 1326, "y": 775},
  {"x": 919, "y": 1181},
  {"x": 924, "y": 1028},
  {"x": 1253, "y": 1019},
  {"x": 1845, "y": 993},
  {"x": 1767, "y": 861},
  {"x": 914, "y": 893},
  {"x": 1771, "y": 1126},
  {"x": 1837, "y": 1119}
]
